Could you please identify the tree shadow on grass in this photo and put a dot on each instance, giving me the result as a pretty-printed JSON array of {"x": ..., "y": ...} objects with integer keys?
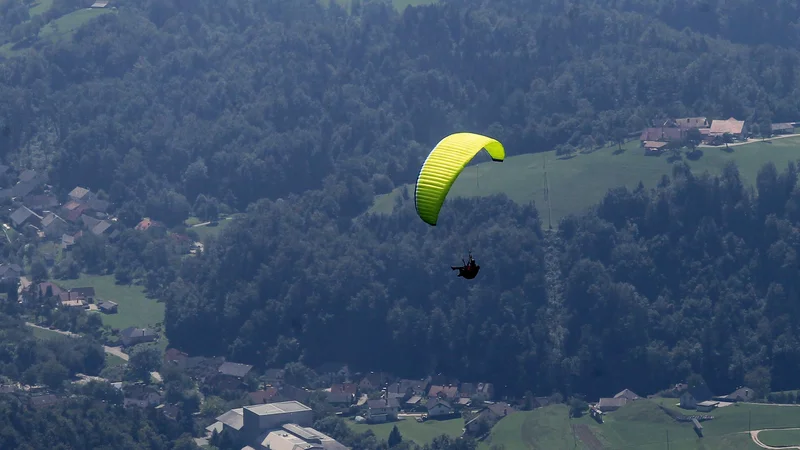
[{"x": 695, "y": 154}]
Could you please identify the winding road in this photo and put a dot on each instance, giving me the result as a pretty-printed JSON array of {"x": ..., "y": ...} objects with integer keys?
[{"x": 754, "y": 435}]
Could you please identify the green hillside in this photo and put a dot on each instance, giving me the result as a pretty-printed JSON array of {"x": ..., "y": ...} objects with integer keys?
[
  {"x": 579, "y": 182},
  {"x": 642, "y": 425}
]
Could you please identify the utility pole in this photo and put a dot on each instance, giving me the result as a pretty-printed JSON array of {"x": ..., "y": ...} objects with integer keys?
[
  {"x": 667, "y": 439},
  {"x": 749, "y": 423}
]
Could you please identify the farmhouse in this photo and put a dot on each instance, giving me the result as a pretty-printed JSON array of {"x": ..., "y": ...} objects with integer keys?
[
  {"x": 736, "y": 128},
  {"x": 743, "y": 394}
]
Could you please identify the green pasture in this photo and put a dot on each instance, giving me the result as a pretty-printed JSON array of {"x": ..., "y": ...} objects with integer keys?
[
  {"x": 134, "y": 309},
  {"x": 581, "y": 181},
  {"x": 411, "y": 430}
]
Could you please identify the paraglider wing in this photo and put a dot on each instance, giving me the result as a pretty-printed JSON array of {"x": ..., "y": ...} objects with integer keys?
[{"x": 442, "y": 167}]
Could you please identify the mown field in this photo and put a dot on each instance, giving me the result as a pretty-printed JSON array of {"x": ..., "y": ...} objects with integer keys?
[
  {"x": 643, "y": 425},
  {"x": 134, "y": 309},
  {"x": 411, "y": 430},
  {"x": 580, "y": 182}
]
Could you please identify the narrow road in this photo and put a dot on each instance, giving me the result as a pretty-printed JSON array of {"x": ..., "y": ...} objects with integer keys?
[
  {"x": 750, "y": 141},
  {"x": 754, "y": 435}
]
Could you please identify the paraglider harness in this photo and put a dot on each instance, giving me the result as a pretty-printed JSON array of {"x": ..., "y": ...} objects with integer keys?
[{"x": 469, "y": 270}]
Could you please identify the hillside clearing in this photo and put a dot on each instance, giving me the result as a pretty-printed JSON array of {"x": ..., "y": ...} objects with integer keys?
[
  {"x": 134, "y": 309},
  {"x": 577, "y": 183},
  {"x": 643, "y": 425}
]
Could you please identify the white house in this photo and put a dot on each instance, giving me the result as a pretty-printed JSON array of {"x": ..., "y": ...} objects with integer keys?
[
  {"x": 438, "y": 408},
  {"x": 382, "y": 410}
]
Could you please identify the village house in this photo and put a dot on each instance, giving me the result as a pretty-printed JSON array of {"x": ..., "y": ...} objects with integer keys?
[
  {"x": 140, "y": 396},
  {"x": 267, "y": 395},
  {"x": 53, "y": 225},
  {"x": 663, "y": 134},
  {"x": 438, "y": 408},
  {"x": 405, "y": 389},
  {"x": 23, "y": 216},
  {"x": 444, "y": 392},
  {"x": 230, "y": 375},
  {"x": 40, "y": 203},
  {"x": 743, "y": 394},
  {"x": 382, "y": 410},
  {"x": 132, "y": 336},
  {"x": 687, "y": 123},
  {"x": 627, "y": 394},
  {"x": 373, "y": 381},
  {"x": 731, "y": 126},
  {"x": 342, "y": 394},
  {"x": 10, "y": 272},
  {"x": 490, "y": 414}
]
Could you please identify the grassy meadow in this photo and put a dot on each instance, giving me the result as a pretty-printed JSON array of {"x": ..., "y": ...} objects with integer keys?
[
  {"x": 581, "y": 181},
  {"x": 642, "y": 425},
  {"x": 411, "y": 430},
  {"x": 134, "y": 309}
]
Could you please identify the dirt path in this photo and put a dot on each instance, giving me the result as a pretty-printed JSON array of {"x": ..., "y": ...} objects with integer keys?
[
  {"x": 116, "y": 351},
  {"x": 754, "y": 435},
  {"x": 587, "y": 437}
]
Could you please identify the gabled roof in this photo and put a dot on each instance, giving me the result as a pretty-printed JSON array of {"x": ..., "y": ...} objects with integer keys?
[
  {"x": 691, "y": 122},
  {"x": 234, "y": 369},
  {"x": 101, "y": 227},
  {"x": 137, "y": 332},
  {"x": 627, "y": 394},
  {"x": 612, "y": 402},
  {"x": 443, "y": 391},
  {"x": 383, "y": 403},
  {"x": 21, "y": 215},
  {"x": 435, "y": 401},
  {"x": 79, "y": 193},
  {"x": 731, "y": 126},
  {"x": 263, "y": 396},
  {"x": 27, "y": 175}
]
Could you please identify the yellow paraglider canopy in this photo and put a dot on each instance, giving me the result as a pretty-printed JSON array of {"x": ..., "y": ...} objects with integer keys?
[{"x": 442, "y": 167}]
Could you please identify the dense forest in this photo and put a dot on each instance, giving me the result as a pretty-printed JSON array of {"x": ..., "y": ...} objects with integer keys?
[{"x": 298, "y": 114}]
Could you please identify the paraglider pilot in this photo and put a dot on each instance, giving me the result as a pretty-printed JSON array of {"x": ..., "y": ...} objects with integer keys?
[{"x": 469, "y": 270}]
